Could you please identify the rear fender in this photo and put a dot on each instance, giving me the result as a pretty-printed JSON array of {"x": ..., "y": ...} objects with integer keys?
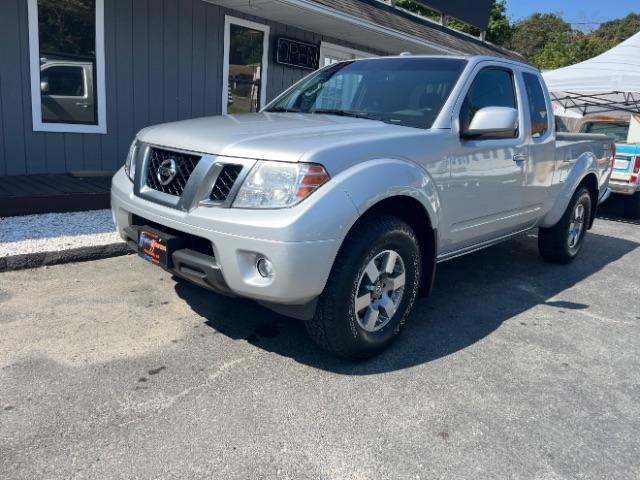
[{"x": 586, "y": 164}]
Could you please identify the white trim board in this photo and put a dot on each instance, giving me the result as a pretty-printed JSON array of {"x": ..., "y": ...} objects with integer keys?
[
  {"x": 228, "y": 20},
  {"x": 99, "y": 79}
]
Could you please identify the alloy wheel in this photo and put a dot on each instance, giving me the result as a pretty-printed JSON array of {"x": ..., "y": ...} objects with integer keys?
[
  {"x": 576, "y": 226},
  {"x": 380, "y": 290}
]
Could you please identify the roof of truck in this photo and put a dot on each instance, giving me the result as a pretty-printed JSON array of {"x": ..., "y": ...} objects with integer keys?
[{"x": 469, "y": 57}]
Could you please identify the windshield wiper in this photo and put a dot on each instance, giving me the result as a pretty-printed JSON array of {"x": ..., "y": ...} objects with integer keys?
[
  {"x": 284, "y": 110},
  {"x": 342, "y": 113}
]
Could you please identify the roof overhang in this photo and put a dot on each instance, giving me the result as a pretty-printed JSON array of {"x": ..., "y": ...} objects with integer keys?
[{"x": 311, "y": 16}]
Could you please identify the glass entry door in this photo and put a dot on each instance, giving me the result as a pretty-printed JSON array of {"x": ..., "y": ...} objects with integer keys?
[{"x": 246, "y": 45}]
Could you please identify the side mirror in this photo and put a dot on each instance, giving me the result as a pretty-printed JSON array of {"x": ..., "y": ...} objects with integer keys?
[
  {"x": 44, "y": 87},
  {"x": 493, "y": 122}
]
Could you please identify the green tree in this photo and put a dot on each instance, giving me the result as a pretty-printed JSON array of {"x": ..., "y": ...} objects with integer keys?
[
  {"x": 544, "y": 39},
  {"x": 67, "y": 26},
  {"x": 549, "y": 42},
  {"x": 418, "y": 9},
  {"x": 531, "y": 35},
  {"x": 567, "y": 49},
  {"x": 498, "y": 31},
  {"x": 611, "y": 33}
]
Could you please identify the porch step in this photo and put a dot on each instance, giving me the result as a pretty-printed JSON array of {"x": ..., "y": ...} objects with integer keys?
[{"x": 31, "y": 194}]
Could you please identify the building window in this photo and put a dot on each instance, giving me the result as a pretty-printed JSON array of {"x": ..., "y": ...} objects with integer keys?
[
  {"x": 246, "y": 48},
  {"x": 331, "y": 53},
  {"x": 66, "y": 42}
]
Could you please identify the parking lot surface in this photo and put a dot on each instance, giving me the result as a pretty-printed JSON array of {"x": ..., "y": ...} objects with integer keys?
[{"x": 513, "y": 368}]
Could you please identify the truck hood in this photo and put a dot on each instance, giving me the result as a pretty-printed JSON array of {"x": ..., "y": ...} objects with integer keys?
[{"x": 288, "y": 137}]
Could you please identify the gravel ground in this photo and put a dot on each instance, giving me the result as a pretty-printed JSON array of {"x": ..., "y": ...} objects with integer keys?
[
  {"x": 512, "y": 369},
  {"x": 54, "y": 232}
]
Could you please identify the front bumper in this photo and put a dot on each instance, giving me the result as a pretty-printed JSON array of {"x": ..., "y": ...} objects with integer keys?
[
  {"x": 240, "y": 237},
  {"x": 195, "y": 266}
]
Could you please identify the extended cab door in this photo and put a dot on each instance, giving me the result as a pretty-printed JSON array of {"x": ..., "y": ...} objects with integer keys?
[
  {"x": 484, "y": 198},
  {"x": 541, "y": 163}
]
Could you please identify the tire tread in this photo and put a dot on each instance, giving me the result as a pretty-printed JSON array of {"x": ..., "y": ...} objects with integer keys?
[
  {"x": 360, "y": 238},
  {"x": 552, "y": 242}
]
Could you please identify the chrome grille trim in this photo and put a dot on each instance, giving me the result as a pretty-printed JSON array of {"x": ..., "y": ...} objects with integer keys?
[
  {"x": 225, "y": 182},
  {"x": 186, "y": 164},
  {"x": 198, "y": 187}
]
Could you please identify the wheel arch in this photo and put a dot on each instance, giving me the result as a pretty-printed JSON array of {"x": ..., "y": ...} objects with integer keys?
[
  {"x": 590, "y": 181},
  {"x": 413, "y": 212},
  {"x": 583, "y": 173},
  {"x": 401, "y": 188}
]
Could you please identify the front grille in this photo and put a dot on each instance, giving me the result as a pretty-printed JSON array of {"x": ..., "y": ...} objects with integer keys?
[
  {"x": 224, "y": 183},
  {"x": 184, "y": 166}
]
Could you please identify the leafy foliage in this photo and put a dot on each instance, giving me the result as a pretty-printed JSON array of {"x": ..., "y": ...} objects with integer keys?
[
  {"x": 498, "y": 31},
  {"x": 67, "y": 26},
  {"x": 549, "y": 42},
  {"x": 530, "y": 36},
  {"x": 544, "y": 39}
]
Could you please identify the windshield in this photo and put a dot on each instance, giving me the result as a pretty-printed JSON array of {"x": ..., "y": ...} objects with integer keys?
[
  {"x": 616, "y": 130},
  {"x": 400, "y": 91}
]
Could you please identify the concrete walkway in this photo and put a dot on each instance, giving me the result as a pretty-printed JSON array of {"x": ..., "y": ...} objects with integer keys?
[{"x": 36, "y": 240}]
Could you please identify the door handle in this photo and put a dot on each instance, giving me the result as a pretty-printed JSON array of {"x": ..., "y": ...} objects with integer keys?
[
  {"x": 82, "y": 104},
  {"x": 520, "y": 157}
]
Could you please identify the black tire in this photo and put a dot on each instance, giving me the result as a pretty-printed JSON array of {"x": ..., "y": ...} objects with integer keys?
[
  {"x": 632, "y": 206},
  {"x": 554, "y": 243},
  {"x": 335, "y": 326}
]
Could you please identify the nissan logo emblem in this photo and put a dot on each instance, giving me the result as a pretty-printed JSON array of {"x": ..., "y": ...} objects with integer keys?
[{"x": 167, "y": 171}]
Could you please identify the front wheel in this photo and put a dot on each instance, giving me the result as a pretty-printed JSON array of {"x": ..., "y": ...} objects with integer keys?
[
  {"x": 371, "y": 289},
  {"x": 562, "y": 242}
]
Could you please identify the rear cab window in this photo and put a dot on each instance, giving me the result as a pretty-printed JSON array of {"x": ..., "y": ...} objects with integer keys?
[
  {"x": 537, "y": 105},
  {"x": 616, "y": 130}
]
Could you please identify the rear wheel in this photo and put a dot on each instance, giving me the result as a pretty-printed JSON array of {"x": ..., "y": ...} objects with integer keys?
[
  {"x": 371, "y": 289},
  {"x": 562, "y": 242},
  {"x": 632, "y": 206}
]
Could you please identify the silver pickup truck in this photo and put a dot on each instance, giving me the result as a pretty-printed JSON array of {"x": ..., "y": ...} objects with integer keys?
[{"x": 335, "y": 203}]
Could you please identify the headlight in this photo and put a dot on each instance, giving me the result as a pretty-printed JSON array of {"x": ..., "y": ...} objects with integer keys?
[
  {"x": 279, "y": 184},
  {"x": 130, "y": 164}
]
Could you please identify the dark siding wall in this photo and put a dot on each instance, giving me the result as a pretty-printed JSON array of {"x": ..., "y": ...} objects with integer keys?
[{"x": 163, "y": 63}]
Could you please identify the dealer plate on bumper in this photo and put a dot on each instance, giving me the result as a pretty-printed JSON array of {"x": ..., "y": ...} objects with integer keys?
[{"x": 153, "y": 247}]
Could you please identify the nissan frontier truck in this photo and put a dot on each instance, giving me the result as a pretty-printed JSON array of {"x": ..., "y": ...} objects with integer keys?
[{"x": 335, "y": 203}]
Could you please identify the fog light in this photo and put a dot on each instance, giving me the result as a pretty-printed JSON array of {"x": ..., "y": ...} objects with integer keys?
[{"x": 265, "y": 267}]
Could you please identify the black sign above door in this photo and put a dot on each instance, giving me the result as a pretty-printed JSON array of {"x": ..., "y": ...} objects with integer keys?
[{"x": 295, "y": 53}]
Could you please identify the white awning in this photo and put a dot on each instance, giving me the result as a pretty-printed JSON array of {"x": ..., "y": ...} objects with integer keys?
[{"x": 608, "y": 83}]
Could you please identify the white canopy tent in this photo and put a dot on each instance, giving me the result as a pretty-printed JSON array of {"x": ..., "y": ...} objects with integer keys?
[{"x": 606, "y": 84}]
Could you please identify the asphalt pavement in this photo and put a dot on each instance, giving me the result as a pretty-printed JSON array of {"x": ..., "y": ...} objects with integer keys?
[{"x": 512, "y": 369}]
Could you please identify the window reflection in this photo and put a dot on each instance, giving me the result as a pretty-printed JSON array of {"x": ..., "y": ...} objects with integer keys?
[
  {"x": 245, "y": 69},
  {"x": 67, "y": 40},
  {"x": 537, "y": 105}
]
